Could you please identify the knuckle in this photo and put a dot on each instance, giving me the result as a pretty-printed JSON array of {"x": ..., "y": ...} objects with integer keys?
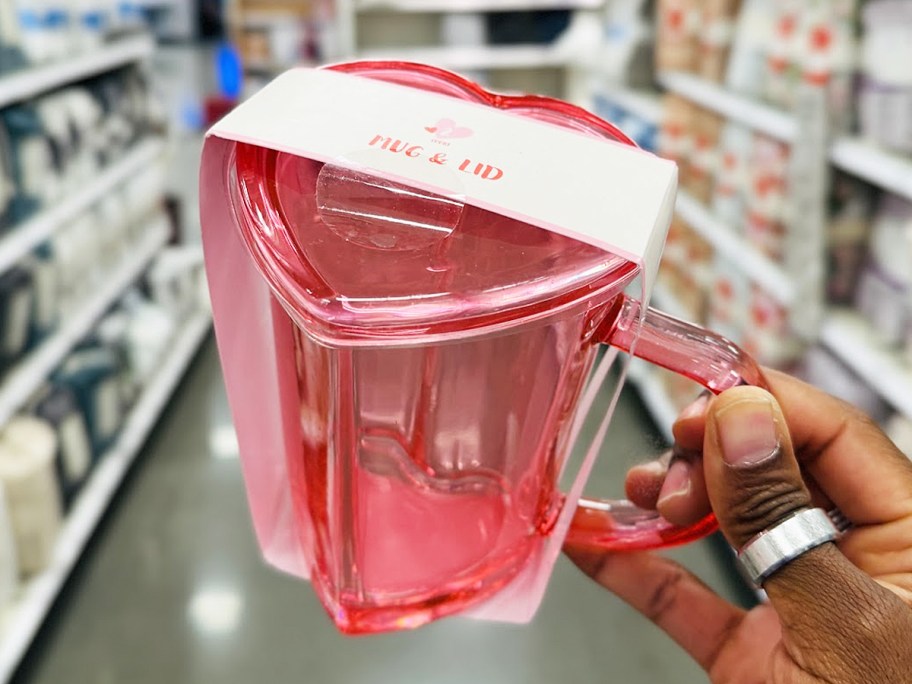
[
  {"x": 763, "y": 502},
  {"x": 664, "y": 594}
]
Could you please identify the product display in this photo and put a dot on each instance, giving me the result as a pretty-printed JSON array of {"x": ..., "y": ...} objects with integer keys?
[
  {"x": 41, "y": 31},
  {"x": 58, "y": 407},
  {"x": 27, "y": 449}
]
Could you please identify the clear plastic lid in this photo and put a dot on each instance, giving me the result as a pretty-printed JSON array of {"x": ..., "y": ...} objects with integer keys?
[{"x": 355, "y": 252}]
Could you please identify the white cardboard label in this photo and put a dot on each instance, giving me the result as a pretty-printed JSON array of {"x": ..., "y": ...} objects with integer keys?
[{"x": 600, "y": 191}]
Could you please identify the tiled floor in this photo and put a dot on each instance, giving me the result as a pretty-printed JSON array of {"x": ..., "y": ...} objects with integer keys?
[{"x": 173, "y": 590}]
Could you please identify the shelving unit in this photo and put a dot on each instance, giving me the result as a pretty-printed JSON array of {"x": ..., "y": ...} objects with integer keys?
[
  {"x": 24, "y": 238},
  {"x": 21, "y": 383},
  {"x": 756, "y": 115},
  {"x": 758, "y": 267},
  {"x": 874, "y": 164},
  {"x": 473, "y": 5},
  {"x": 647, "y": 106},
  {"x": 477, "y": 57},
  {"x": 39, "y": 595},
  {"x": 847, "y": 335},
  {"x": 33, "y": 81}
]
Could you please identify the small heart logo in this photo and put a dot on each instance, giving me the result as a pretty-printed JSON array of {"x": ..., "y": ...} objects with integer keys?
[{"x": 447, "y": 128}]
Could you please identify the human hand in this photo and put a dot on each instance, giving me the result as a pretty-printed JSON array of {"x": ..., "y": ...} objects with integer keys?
[{"x": 840, "y": 613}]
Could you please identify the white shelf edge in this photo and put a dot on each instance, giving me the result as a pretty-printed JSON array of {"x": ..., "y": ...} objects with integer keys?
[
  {"x": 853, "y": 340},
  {"x": 881, "y": 167},
  {"x": 758, "y": 268},
  {"x": 654, "y": 396},
  {"x": 476, "y": 56},
  {"x": 23, "y": 238},
  {"x": 756, "y": 115},
  {"x": 31, "y": 81},
  {"x": 453, "y": 6},
  {"x": 646, "y": 105},
  {"x": 83, "y": 518},
  {"x": 28, "y": 374}
]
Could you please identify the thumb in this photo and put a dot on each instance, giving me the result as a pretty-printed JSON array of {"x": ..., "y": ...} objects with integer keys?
[{"x": 834, "y": 617}]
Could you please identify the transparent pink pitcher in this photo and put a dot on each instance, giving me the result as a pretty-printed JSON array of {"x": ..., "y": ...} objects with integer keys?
[{"x": 440, "y": 352}]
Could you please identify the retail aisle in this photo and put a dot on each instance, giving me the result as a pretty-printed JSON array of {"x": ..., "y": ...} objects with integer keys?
[{"x": 173, "y": 590}]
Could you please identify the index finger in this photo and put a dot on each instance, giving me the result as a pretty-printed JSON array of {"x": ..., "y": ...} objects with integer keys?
[{"x": 848, "y": 455}]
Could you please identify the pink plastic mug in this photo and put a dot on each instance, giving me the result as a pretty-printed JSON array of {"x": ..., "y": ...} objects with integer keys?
[{"x": 441, "y": 350}]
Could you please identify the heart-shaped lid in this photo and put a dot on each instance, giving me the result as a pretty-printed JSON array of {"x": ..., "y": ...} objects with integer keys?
[{"x": 362, "y": 255}]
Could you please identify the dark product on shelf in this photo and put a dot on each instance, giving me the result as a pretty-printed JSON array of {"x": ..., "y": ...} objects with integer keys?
[
  {"x": 111, "y": 332},
  {"x": 58, "y": 407},
  {"x": 716, "y": 28},
  {"x": 676, "y": 40},
  {"x": 850, "y": 207},
  {"x": 45, "y": 310},
  {"x": 885, "y": 100},
  {"x": 7, "y": 185},
  {"x": 16, "y": 297},
  {"x": 92, "y": 372},
  {"x": 27, "y": 448},
  {"x": 885, "y": 288},
  {"x": 533, "y": 26},
  {"x": 32, "y": 161}
]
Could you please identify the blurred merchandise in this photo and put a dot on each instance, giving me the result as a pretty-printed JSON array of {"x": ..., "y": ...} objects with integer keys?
[
  {"x": 885, "y": 288},
  {"x": 56, "y": 404},
  {"x": 676, "y": 37},
  {"x": 27, "y": 449},
  {"x": 850, "y": 208},
  {"x": 716, "y": 27},
  {"x": 16, "y": 297},
  {"x": 9, "y": 563},
  {"x": 824, "y": 370},
  {"x": 885, "y": 100},
  {"x": 732, "y": 182}
]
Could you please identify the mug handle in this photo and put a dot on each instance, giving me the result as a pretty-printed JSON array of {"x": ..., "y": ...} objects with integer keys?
[{"x": 689, "y": 350}]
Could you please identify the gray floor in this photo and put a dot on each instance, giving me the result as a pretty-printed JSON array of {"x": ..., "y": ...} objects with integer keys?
[{"x": 173, "y": 590}]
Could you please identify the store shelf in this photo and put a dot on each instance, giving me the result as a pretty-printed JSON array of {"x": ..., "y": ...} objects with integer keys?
[
  {"x": 476, "y": 56},
  {"x": 21, "y": 383},
  {"x": 761, "y": 270},
  {"x": 663, "y": 299},
  {"x": 450, "y": 6},
  {"x": 33, "y": 81},
  {"x": 874, "y": 164},
  {"x": 654, "y": 396},
  {"x": 755, "y": 115},
  {"x": 853, "y": 340},
  {"x": 40, "y": 593},
  {"x": 24, "y": 238},
  {"x": 646, "y": 105}
]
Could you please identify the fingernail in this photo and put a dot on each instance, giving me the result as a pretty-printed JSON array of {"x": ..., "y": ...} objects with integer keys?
[
  {"x": 747, "y": 431},
  {"x": 697, "y": 408},
  {"x": 677, "y": 482}
]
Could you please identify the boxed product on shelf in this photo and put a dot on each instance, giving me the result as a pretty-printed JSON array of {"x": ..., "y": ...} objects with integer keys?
[
  {"x": 704, "y": 157},
  {"x": 27, "y": 449},
  {"x": 766, "y": 218},
  {"x": 31, "y": 154},
  {"x": 676, "y": 138},
  {"x": 753, "y": 33},
  {"x": 767, "y": 334},
  {"x": 45, "y": 314},
  {"x": 885, "y": 97},
  {"x": 56, "y": 404},
  {"x": 850, "y": 205},
  {"x": 676, "y": 38},
  {"x": 885, "y": 286},
  {"x": 716, "y": 27},
  {"x": 729, "y": 197},
  {"x": 729, "y": 291}
]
